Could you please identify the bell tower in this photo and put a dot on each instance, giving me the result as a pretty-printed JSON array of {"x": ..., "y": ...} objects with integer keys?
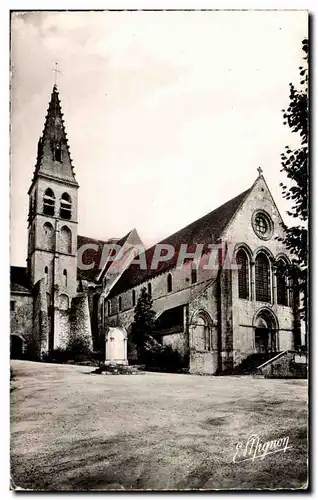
[{"x": 52, "y": 219}]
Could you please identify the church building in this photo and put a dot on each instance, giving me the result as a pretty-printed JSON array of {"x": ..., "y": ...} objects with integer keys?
[{"x": 214, "y": 315}]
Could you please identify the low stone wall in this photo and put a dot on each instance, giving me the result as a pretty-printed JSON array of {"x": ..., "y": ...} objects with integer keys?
[{"x": 287, "y": 365}]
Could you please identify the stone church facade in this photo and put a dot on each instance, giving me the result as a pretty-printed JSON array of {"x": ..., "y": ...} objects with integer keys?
[{"x": 230, "y": 298}]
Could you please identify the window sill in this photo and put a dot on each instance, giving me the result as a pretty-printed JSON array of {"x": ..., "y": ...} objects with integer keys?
[{"x": 200, "y": 351}]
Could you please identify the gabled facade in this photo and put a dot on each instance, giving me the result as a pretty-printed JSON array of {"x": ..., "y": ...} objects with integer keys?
[{"x": 219, "y": 316}]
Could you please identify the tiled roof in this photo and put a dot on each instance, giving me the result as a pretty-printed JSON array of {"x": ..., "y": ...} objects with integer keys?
[
  {"x": 181, "y": 297},
  {"x": 204, "y": 231},
  {"x": 119, "y": 243},
  {"x": 19, "y": 280},
  {"x": 89, "y": 256}
]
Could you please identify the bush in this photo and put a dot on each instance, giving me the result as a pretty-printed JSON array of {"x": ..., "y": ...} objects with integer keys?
[
  {"x": 31, "y": 351},
  {"x": 78, "y": 349},
  {"x": 58, "y": 355},
  {"x": 98, "y": 357},
  {"x": 165, "y": 358},
  {"x": 132, "y": 354}
]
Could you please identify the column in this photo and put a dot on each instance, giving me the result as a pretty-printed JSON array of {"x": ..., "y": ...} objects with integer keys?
[
  {"x": 274, "y": 287},
  {"x": 252, "y": 290}
]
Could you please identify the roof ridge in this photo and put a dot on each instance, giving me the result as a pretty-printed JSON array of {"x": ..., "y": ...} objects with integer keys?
[
  {"x": 206, "y": 215},
  {"x": 207, "y": 229}
]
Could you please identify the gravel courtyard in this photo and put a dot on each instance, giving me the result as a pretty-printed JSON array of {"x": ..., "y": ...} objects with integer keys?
[{"x": 74, "y": 430}]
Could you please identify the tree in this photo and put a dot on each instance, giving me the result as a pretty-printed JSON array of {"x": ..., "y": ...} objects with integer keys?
[
  {"x": 143, "y": 325},
  {"x": 78, "y": 348},
  {"x": 295, "y": 164}
]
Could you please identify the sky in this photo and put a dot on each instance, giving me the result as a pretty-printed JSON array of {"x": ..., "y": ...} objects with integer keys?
[{"x": 168, "y": 114}]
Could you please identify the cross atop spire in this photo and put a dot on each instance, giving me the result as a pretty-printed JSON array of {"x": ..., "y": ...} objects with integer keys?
[
  {"x": 260, "y": 171},
  {"x": 56, "y": 71}
]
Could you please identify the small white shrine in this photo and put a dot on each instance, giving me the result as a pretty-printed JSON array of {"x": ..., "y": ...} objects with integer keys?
[{"x": 116, "y": 346}]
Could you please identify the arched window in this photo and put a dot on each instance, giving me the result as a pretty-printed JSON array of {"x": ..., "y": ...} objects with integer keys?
[
  {"x": 169, "y": 283},
  {"x": 194, "y": 275},
  {"x": 48, "y": 236},
  {"x": 133, "y": 298},
  {"x": 281, "y": 277},
  {"x": 120, "y": 303},
  {"x": 65, "y": 240},
  {"x": 63, "y": 302},
  {"x": 149, "y": 289},
  {"x": 58, "y": 152},
  {"x": 46, "y": 274},
  {"x": 64, "y": 277},
  {"x": 262, "y": 278},
  {"x": 49, "y": 202},
  {"x": 243, "y": 281},
  {"x": 201, "y": 333},
  {"x": 66, "y": 206},
  {"x": 109, "y": 308}
]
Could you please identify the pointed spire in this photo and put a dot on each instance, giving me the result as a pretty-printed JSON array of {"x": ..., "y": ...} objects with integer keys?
[{"x": 53, "y": 155}]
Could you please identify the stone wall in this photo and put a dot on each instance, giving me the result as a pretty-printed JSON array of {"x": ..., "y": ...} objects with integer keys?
[
  {"x": 232, "y": 318},
  {"x": 43, "y": 256},
  {"x": 181, "y": 279},
  {"x": 58, "y": 189},
  {"x": 21, "y": 318},
  {"x": 80, "y": 318},
  {"x": 62, "y": 328},
  {"x": 177, "y": 341},
  {"x": 204, "y": 361},
  {"x": 94, "y": 305},
  {"x": 41, "y": 321},
  {"x": 244, "y": 312},
  {"x": 240, "y": 233},
  {"x": 285, "y": 366},
  {"x": 200, "y": 362},
  {"x": 225, "y": 318},
  {"x": 240, "y": 230}
]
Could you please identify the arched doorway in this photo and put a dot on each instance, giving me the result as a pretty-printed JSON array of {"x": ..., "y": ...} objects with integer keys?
[
  {"x": 16, "y": 347},
  {"x": 266, "y": 328},
  {"x": 201, "y": 331}
]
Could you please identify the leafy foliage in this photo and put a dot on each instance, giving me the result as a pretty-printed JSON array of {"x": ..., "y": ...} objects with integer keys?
[
  {"x": 164, "y": 357},
  {"x": 57, "y": 355},
  {"x": 99, "y": 352},
  {"x": 295, "y": 165},
  {"x": 78, "y": 348},
  {"x": 144, "y": 323}
]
